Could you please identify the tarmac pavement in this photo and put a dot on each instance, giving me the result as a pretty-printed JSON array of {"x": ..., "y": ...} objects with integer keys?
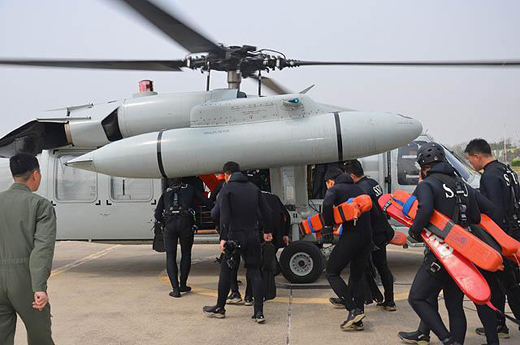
[{"x": 118, "y": 294}]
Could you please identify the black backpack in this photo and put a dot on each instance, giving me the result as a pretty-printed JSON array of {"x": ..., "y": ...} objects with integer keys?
[
  {"x": 513, "y": 215},
  {"x": 461, "y": 193},
  {"x": 175, "y": 204},
  {"x": 158, "y": 238},
  {"x": 268, "y": 269},
  {"x": 458, "y": 185}
]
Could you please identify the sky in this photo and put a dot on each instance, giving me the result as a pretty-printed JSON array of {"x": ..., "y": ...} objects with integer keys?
[{"x": 453, "y": 104}]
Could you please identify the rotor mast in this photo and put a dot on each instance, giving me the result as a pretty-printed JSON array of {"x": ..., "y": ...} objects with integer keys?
[{"x": 234, "y": 78}]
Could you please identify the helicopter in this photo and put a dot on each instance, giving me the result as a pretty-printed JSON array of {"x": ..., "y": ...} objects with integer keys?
[{"x": 105, "y": 163}]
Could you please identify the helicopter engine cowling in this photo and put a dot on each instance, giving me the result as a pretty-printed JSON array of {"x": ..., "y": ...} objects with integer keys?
[
  {"x": 152, "y": 113},
  {"x": 145, "y": 112}
]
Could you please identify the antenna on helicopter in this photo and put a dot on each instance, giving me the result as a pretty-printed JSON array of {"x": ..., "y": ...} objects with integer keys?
[
  {"x": 259, "y": 83},
  {"x": 208, "y": 78}
]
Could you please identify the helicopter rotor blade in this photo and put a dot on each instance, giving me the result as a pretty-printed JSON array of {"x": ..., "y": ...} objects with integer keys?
[
  {"x": 181, "y": 33},
  {"x": 469, "y": 63},
  {"x": 134, "y": 65},
  {"x": 272, "y": 85}
]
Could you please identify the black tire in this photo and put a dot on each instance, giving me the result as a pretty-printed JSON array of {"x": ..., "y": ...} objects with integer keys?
[{"x": 301, "y": 262}]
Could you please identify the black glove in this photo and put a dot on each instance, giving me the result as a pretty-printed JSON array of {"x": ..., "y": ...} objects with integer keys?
[
  {"x": 417, "y": 237},
  {"x": 158, "y": 228},
  {"x": 327, "y": 234}
]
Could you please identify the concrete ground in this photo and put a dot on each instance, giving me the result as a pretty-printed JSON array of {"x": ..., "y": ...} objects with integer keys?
[{"x": 118, "y": 294}]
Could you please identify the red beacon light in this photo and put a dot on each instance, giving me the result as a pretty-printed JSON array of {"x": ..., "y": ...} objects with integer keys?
[
  {"x": 145, "y": 85},
  {"x": 145, "y": 89}
]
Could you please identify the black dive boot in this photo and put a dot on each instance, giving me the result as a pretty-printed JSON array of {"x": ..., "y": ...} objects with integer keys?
[
  {"x": 414, "y": 337},
  {"x": 502, "y": 330},
  {"x": 337, "y": 303},
  {"x": 449, "y": 341},
  {"x": 175, "y": 293},
  {"x": 214, "y": 311},
  {"x": 354, "y": 316},
  {"x": 185, "y": 288}
]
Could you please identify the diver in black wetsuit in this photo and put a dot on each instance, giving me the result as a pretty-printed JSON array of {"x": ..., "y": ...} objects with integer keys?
[
  {"x": 439, "y": 191},
  {"x": 175, "y": 211},
  {"x": 352, "y": 248},
  {"x": 500, "y": 185},
  {"x": 242, "y": 207}
]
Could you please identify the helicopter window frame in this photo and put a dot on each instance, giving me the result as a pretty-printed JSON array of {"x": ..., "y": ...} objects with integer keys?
[
  {"x": 58, "y": 165},
  {"x": 460, "y": 166},
  {"x": 404, "y": 178},
  {"x": 463, "y": 169},
  {"x": 117, "y": 200}
]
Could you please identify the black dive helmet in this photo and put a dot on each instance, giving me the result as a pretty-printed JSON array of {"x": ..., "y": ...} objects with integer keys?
[{"x": 430, "y": 153}]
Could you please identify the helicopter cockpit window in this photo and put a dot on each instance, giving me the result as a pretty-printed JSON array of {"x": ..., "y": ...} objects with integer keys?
[
  {"x": 407, "y": 167},
  {"x": 74, "y": 184},
  {"x": 131, "y": 189}
]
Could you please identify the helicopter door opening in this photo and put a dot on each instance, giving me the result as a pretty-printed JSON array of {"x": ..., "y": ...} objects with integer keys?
[{"x": 115, "y": 208}]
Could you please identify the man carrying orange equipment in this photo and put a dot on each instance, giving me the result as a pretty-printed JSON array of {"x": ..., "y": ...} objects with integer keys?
[
  {"x": 500, "y": 185},
  {"x": 442, "y": 191},
  {"x": 353, "y": 247}
]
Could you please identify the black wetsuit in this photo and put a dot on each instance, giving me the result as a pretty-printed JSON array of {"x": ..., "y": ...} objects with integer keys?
[
  {"x": 215, "y": 214},
  {"x": 242, "y": 207},
  {"x": 281, "y": 219},
  {"x": 382, "y": 234},
  {"x": 487, "y": 316},
  {"x": 281, "y": 225},
  {"x": 353, "y": 246},
  {"x": 496, "y": 185},
  {"x": 178, "y": 227},
  {"x": 433, "y": 194}
]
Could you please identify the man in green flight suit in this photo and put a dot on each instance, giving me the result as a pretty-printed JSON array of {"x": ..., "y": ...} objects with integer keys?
[{"x": 27, "y": 237}]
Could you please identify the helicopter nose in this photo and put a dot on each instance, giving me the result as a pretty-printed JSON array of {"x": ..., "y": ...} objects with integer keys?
[
  {"x": 369, "y": 133},
  {"x": 397, "y": 130}
]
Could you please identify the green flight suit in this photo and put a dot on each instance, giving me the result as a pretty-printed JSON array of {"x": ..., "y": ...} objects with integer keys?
[{"x": 27, "y": 238}]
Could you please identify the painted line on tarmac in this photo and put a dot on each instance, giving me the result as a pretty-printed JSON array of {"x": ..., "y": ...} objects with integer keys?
[
  {"x": 80, "y": 262},
  {"x": 290, "y": 299},
  {"x": 289, "y": 318}
]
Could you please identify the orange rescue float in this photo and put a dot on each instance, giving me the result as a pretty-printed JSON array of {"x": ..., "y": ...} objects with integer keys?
[
  {"x": 510, "y": 246},
  {"x": 399, "y": 239},
  {"x": 453, "y": 234},
  {"x": 345, "y": 212}
]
